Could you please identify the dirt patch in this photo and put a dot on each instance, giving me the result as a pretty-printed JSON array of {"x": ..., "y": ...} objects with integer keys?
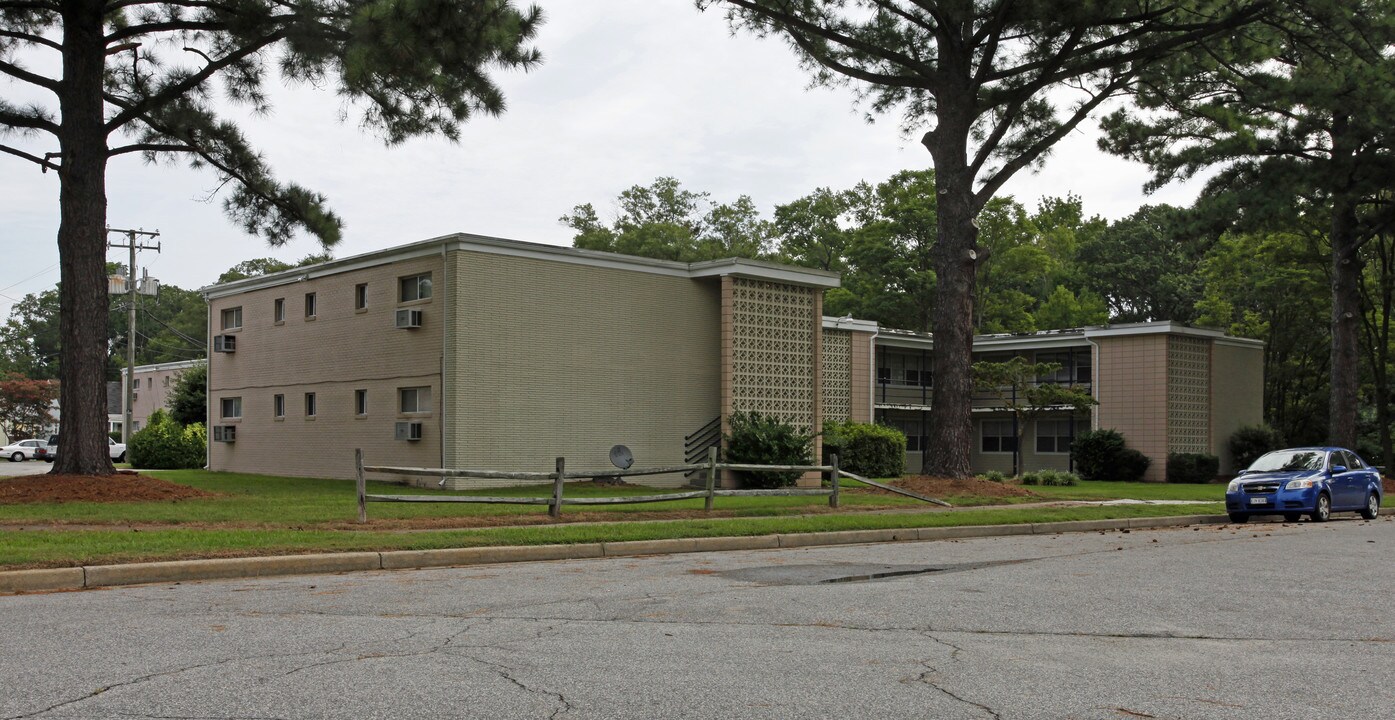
[
  {"x": 121, "y": 487},
  {"x": 1388, "y": 484},
  {"x": 937, "y": 487}
]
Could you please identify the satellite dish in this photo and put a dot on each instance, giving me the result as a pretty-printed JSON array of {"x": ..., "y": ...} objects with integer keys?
[{"x": 621, "y": 457}]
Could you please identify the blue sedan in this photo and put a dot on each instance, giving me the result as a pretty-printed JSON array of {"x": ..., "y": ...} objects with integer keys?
[{"x": 1312, "y": 481}]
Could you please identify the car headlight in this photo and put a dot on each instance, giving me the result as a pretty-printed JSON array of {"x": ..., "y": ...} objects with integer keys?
[
  {"x": 1234, "y": 486},
  {"x": 1303, "y": 483}
]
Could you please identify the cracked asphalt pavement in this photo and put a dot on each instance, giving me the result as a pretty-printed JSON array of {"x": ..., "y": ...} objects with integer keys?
[{"x": 1265, "y": 620}]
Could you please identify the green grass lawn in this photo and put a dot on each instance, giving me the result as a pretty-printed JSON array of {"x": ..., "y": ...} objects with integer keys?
[{"x": 257, "y": 515}]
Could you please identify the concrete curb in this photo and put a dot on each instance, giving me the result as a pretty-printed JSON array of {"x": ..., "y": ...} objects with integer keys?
[{"x": 93, "y": 576}]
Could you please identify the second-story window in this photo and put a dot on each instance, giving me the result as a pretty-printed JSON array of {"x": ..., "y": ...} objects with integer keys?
[
  {"x": 310, "y": 305},
  {"x": 309, "y": 405},
  {"x": 414, "y": 399},
  {"x": 232, "y": 318},
  {"x": 278, "y": 406},
  {"x": 414, "y": 287},
  {"x": 231, "y": 408},
  {"x": 360, "y": 402},
  {"x": 278, "y": 310},
  {"x": 360, "y": 296}
]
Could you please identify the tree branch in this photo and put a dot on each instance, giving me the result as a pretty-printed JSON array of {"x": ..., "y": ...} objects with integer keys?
[
  {"x": 21, "y": 120},
  {"x": 21, "y": 74},
  {"x": 169, "y": 26},
  {"x": 177, "y": 90},
  {"x": 41, "y": 162},
  {"x": 26, "y": 37},
  {"x": 150, "y": 147}
]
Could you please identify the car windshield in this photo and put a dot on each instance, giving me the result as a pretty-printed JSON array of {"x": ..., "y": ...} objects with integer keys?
[{"x": 1288, "y": 460}]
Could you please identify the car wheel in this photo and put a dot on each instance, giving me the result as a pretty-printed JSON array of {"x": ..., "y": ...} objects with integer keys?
[
  {"x": 17, "y": 457},
  {"x": 1372, "y": 509},
  {"x": 1239, "y": 518},
  {"x": 1292, "y": 517},
  {"x": 1323, "y": 510}
]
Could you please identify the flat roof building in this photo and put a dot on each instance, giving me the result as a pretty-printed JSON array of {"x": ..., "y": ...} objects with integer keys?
[{"x": 468, "y": 351}]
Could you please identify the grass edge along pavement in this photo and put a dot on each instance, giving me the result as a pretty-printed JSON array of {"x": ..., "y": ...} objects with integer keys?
[
  {"x": 22, "y": 549},
  {"x": 87, "y": 577}
]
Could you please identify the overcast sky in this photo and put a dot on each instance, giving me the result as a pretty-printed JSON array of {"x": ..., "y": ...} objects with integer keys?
[{"x": 629, "y": 90}]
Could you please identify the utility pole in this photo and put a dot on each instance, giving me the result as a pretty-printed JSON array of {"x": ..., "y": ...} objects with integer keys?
[{"x": 134, "y": 245}]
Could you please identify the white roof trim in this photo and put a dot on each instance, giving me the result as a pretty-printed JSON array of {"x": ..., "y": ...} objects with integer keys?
[
  {"x": 515, "y": 248},
  {"x": 851, "y": 324},
  {"x": 160, "y": 367}
]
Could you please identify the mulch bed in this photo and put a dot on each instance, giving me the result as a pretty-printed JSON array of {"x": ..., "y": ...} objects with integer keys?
[
  {"x": 121, "y": 487},
  {"x": 1388, "y": 484},
  {"x": 937, "y": 487}
]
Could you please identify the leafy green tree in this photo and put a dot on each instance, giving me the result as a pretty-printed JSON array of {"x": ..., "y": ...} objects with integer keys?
[
  {"x": 1272, "y": 286},
  {"x": 1295, "y": 115},
  {"x": 665, "y": 221},
  {"x": 188, "y": 398},
  {"x": 1018, "y": 389},
  {"x": 815, "y": 230},
  {"x": 137, "y": 77},
  {"x": 1065, "y": 309},
  {"x": 983, "y": 81},
  {"x": 1143, "y": 266}
]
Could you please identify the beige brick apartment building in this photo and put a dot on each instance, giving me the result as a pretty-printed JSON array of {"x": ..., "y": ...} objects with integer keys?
[{"x": 476, "y": 352}]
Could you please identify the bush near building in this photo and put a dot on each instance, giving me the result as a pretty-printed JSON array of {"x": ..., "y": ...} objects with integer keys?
[
  {"x": 164, "y": 444},
  {"x": 1103, "y": 455},
  {"x": 1050, "y": 478},
  {"x": 760, "y": 440},
  {"x": 866, "y": 449},
  {"x": 1192, "y": 467},
  {"x": 1250, "y": 442}
]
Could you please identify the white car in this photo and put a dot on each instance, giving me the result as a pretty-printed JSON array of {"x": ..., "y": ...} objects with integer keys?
[
  {"x": 22, "y": 450},
  {"x": 116, "y": 450}
]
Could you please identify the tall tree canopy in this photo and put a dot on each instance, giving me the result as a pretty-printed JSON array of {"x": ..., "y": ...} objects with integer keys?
[
  {"x": 986, "y": 82},
  {"x": 138, "y": 77},
  {"x": 1295, "y": 114}
]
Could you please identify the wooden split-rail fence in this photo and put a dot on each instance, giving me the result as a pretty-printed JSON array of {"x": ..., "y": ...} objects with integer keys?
[{"x": 558, "y": 477}]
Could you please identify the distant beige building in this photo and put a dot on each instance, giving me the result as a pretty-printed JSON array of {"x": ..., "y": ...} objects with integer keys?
[
  {"x": 151, "y": 385},
  {"x": 475, "y": 352}
]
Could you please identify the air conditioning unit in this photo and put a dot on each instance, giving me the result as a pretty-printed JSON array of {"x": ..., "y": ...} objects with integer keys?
[
  {"x": 408, "y": 319},
  {"x": 408, "y": 431},
  {"x": 225, "y": 433},
  {"x": 225, "y": 343}
]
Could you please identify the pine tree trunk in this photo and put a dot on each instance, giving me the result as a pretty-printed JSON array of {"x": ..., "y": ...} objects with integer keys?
[
  {"x": 1346, "y": 294},
  {"x": 956, "y": 245},
  {"x": 82, "y": 245}
]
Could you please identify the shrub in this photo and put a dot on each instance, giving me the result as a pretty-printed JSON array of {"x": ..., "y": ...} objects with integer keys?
[
  {"x": 1192, "y": 467},
  {"x": 1102, "y": 455},
  {"x": 994, "y": 476},
  {"x": 1057, "y": 478},
  {"x": 866, "y": 449},
  {"x": 1248, "y": 443},
  {"x": 114, "y": 435},
  {"x": 164, "y": 444},
  {"x": 761, "y": 440},
  {"x": 1131, "y": 465}
]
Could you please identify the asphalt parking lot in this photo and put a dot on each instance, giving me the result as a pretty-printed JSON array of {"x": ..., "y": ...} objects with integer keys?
[
  {"x": 28, "y": 467},
  {"x": 1264, "y": 620}
]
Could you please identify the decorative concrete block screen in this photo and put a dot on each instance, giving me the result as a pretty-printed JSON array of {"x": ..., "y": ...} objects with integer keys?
[
  {"x": 773, "y": 332},
  {"x": 837, "y": 375},
  {"x": 1188, "y": 394}
]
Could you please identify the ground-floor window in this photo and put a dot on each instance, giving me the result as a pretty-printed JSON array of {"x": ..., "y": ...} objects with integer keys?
[
  {"x": 996, "y": 436},
  {"x": 1053, "y": 436}
]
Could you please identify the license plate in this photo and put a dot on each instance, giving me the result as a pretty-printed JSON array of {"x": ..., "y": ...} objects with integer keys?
[{"x": 1259, "y": 501}]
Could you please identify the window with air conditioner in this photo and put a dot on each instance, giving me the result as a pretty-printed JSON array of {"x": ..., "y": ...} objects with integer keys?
[
  {"x": 232, "y": 318},
  {"x": 225, "y": 433},
  {"x": 414, "y": 400},
  {"x": 224, "y": 343},
  {"x": 414, "y": 287}
]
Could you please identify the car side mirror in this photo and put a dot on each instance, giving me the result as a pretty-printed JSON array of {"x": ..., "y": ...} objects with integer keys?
[
  {"x": 1242, "y": 472},
  {"x": 1338, "y": 469}
]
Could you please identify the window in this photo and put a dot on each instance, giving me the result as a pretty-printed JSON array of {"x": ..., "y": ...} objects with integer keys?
[
  {"x": 309, "y": 405},
  {"x": 998, "y": 437},
  {"x": 911, "y": 429},
  {"x": 309, "y": 305},
  {"x": 231, "y": 407},
  {"x": 278, "y": 406},
  {"x": 278, "y": 310},
  {"x": 883, "y": 374},
  {"x": 1082, "y": 367},
  {"x": 360, "y": 296},
  {"x": 1062, "y": 374},
  {"x": 414, "y": 399},
  {"x": 414, "y": 287},
  {"x": 360, "y": 402},
  {"x": 1053, "y": 436},
  {"x": 166, "y": 380},
  {"x": 232, "y": 318}
]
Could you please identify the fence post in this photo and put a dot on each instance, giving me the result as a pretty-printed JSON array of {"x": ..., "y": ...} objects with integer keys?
[
  {"x": 833, "y": 498},
  {"x": 556, "y": 509},
  {"x": 711, "y": 478},
  {"x": 362, "y": 486}
]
